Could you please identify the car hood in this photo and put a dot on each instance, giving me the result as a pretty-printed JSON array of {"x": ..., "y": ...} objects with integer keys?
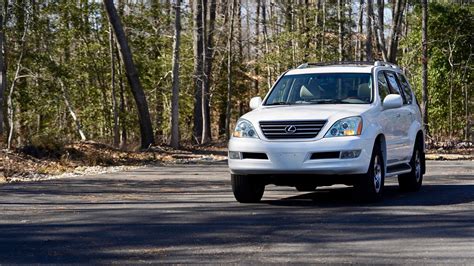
[{"x": 330, "y": 112}]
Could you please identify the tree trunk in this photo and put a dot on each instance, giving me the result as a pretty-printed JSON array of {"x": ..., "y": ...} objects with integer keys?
[
  {"x": 265, "y": 37},
  {"x": 424, "y": 52},
  {"x": 347, "y": 29},
  {"x": 10, "y": 107},
  {"x": 146, "y": 130},
  {"x": 306, "y": 31},
  {"x": 238, "y": 7},
  {"x": 340, "y": 23},
  {"x": 380, "y": 30},
  {"x": 323, "y": 31},
  {"x": 257, "y": 48},
  {"x": 398, "y": 9},
  {"x": 71, "y": 111},
  {"x": 122, "y": 120},
  {"x": 358, "y": 53},
  {"x": 3, "y": 70},
  {"x": 317, "y": 24},
  {"x": 198, "y": 69},
  {"x": 116, "y": 129},
  {"x": 368, "y": 26},
  {"x": 229, "y": 69},
  {"x": 208, "y": 57},
  {"x": 175, "y": 77}
]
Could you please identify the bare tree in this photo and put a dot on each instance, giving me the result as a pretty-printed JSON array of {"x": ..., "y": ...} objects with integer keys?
[
  {"x": 146, "y": 130},
  {"x": 175, "y": 77},
  {"x": 208, "y": 57},
  {"x": 229, "y": 68},
  {"x": 424, "y": 77},
  {"x": 198, "y": 68}
]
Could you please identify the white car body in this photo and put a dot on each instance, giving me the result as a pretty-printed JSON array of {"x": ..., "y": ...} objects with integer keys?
[{"x": 396, "y": 128}]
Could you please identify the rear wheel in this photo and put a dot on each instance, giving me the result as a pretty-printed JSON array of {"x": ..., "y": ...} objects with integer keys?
[
  {"x": 369, "y": 187},
  {"x": 412, "y": 181},
  {"x": 247, "y": 188},
  {"x": 305, "y": 188}
]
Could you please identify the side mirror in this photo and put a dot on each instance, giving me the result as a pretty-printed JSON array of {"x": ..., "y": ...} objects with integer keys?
[
  {"x": 392, "y": 101},
  {"x": 255, "y": 102}
]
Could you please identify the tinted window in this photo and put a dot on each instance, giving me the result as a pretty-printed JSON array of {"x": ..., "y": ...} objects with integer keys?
[
  {"x": 406, "y": 88},
  {"x": 322, "y": 88},
  {"x": 393, "y": 85},
  {"x": 383, "y": 86}
]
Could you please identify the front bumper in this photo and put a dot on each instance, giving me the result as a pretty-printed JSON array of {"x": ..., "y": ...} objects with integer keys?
[{"x": 285, "y": 157}]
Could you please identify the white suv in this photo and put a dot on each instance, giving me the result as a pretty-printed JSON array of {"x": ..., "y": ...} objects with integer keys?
[{"x": 351, "y": 123}]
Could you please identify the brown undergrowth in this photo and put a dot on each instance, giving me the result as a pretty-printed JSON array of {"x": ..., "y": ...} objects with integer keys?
[{"x": 46, "y": 160}]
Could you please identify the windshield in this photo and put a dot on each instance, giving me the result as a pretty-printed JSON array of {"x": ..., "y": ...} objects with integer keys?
[{"x": 323, "y": 88}]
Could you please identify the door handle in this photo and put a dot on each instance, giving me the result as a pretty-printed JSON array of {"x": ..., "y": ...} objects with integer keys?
[{"x": 398, "y": 115}]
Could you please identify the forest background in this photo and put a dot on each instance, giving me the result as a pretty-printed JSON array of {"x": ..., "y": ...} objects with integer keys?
[{"x": 133, "y": 74}]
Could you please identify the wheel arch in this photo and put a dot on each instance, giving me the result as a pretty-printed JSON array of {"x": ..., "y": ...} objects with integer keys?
[
  {"x": 380, "y": 139},
  {"x": 420, "y": 140}
]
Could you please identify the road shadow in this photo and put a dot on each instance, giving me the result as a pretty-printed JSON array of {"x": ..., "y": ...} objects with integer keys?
[
  {"x": 429, "y": 195},
  {"x": 185, "y": 220}
]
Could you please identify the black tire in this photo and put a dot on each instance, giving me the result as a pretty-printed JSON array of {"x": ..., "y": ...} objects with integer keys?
[
  {"x": 305, "y": 188},
  {"x": 412, "y": 181},
  {"x": 247, "y": 188},
  {"x": 370, "y": 186}
]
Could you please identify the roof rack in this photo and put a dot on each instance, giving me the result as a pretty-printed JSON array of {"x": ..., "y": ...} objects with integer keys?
[
  {"x": 385, "y": 64},
  {"x": 309, "y": 64},
  {"x": 367, "y": 63}
]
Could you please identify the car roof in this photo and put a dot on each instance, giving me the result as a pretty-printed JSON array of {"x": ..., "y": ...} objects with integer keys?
[
  {"x": 342, "y": 67},
  {"x": 331, "y": 69}
]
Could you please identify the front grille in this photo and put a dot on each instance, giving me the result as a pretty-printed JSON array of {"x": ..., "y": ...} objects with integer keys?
[{"x": 291, "y": 129}]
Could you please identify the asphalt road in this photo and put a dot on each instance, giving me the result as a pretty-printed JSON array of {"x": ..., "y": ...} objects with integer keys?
[{"x": 187, "y": 214}]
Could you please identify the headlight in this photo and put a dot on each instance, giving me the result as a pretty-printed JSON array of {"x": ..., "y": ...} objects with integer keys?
[
  {"x": 244, "y": 129},
  {"x": 351, "y": 126}
]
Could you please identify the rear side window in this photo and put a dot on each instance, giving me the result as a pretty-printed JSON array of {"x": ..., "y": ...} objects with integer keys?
[
  {"x": 383, "y": 86},
  {"x": 393, "y": 85},
  {"x": 406, "y": 88}
]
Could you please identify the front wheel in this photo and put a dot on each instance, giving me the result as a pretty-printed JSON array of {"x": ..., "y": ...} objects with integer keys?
[
  {"x": 369, "y": 187},
  {"x": 247, "y": 189},
  {"x": 412, "y": 181}
]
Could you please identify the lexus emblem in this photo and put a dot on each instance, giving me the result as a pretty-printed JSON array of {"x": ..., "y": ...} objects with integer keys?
[{"x": 290, "y": 129}]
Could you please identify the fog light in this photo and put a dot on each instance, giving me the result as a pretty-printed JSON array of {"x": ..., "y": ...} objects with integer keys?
[
  {"x": 234, "y": 155},
  {"x": 350, "y": 154}
]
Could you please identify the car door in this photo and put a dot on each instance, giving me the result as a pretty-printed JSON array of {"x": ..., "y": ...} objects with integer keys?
[
  {"x": 411, "y": 108},
  {"x": 387, "y": 120},
  {"x": 402, "y": 119}
]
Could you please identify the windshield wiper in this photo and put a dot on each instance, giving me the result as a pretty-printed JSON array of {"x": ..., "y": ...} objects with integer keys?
[
  {"x": 278, "y": 103},
  {"x": 325, "y": 101}
]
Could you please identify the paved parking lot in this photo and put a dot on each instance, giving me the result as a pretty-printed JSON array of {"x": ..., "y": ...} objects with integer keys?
[{"x": 187, "y": 214}]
